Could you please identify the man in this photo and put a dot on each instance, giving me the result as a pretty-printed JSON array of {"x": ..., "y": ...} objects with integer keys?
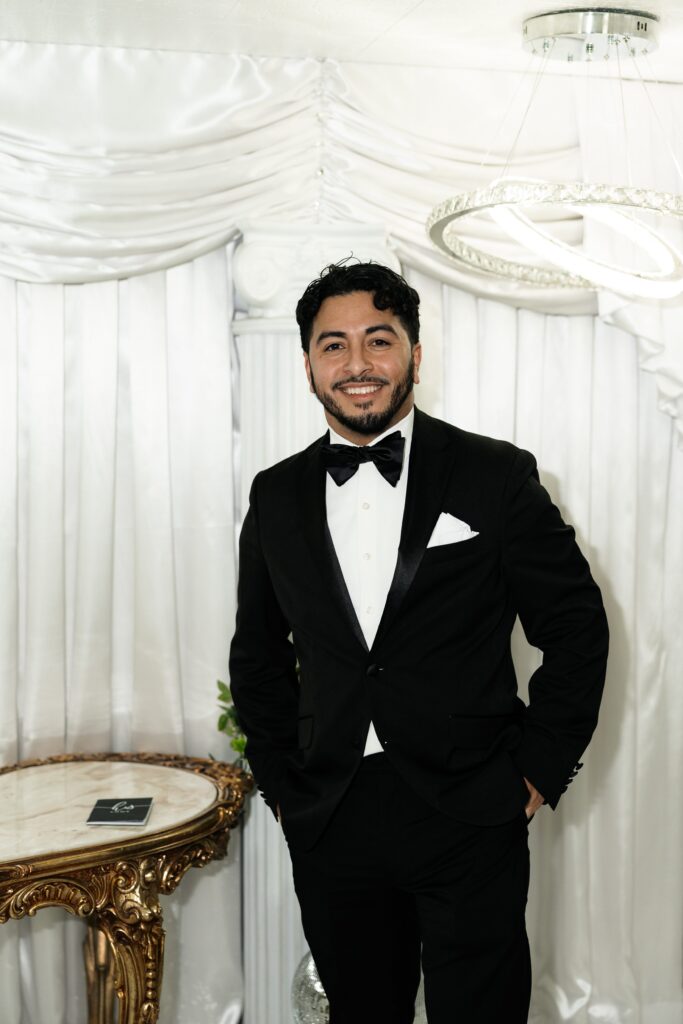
[{"x": 400, "y": 761}]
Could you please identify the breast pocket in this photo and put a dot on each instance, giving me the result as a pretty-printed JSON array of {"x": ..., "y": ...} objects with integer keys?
[{"x": 472, "y": 547}]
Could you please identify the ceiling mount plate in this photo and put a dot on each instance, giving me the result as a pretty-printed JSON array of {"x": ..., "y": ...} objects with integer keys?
[{"x": 590, "y": 33}]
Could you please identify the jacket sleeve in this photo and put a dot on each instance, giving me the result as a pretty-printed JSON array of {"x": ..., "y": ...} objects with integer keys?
[
  {"x": 263, "y": 678},
  {"x": 561, "y": 610}
]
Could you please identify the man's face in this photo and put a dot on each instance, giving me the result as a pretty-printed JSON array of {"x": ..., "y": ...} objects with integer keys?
[{"x": 360, "y": 366}]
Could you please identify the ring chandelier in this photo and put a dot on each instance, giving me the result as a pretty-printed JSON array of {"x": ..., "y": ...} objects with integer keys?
[{"x": 572, "y": 36}]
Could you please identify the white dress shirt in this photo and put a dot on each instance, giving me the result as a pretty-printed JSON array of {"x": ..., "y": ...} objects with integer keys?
[{"x": 365, "y": 516}]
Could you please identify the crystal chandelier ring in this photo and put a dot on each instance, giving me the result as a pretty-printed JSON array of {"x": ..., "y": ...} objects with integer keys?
[
  {"x": 503, "y": 200},
  {"x": 574, "y": 35}
]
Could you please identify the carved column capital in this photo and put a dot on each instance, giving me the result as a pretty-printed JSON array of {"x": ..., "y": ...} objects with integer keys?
[{"x": 275, "y": 262}]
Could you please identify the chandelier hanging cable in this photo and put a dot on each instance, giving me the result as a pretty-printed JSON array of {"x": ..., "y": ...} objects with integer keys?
[{"x": 584, "y": 34}]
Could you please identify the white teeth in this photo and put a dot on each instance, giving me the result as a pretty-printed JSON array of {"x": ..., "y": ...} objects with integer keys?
[{"x": 367, "y": 390}]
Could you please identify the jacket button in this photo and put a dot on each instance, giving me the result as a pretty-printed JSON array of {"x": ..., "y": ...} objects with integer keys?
[{"x": 373, "y": 670}]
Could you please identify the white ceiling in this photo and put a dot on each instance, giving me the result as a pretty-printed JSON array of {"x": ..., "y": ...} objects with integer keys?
[{"x": 445, "y": 33}]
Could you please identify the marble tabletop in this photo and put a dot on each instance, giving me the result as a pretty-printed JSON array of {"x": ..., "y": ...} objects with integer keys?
[{"x": 43, "y": 809}]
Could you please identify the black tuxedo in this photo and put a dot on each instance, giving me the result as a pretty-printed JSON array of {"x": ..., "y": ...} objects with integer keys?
[{"x": 438, "y": 681}]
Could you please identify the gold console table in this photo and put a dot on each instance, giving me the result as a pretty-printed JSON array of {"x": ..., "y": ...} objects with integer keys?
[{"x": 111, "y": 876}]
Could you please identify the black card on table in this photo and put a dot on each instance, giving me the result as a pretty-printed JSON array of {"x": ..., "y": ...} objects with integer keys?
[{"x": 134, "y": 811}]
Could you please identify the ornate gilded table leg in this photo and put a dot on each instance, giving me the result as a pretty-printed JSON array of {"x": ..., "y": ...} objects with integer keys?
[
  {"x": 99, "y": 973},
  {"x": 131, "y": 919}
]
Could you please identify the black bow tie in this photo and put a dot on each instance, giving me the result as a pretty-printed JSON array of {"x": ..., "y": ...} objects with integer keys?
[{"x": 342, "y": 460}]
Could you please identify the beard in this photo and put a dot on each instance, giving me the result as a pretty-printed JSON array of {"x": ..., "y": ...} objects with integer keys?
[{"x": 369, "y": 422}]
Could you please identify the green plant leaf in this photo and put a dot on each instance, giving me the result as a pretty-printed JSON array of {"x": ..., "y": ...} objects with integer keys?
[{"x": 228, "y": 722}]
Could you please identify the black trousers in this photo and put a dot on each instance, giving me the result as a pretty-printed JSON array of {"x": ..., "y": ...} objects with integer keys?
[{"x": 392, "y": 880}]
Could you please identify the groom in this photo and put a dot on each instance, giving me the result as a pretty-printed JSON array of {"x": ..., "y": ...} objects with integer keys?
[{"x": 390, "y": 559}]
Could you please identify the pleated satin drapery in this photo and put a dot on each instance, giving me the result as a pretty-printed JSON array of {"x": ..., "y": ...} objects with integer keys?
[
  {"x": 88, "y": 192},
  {"x": 117, "y": 566}
]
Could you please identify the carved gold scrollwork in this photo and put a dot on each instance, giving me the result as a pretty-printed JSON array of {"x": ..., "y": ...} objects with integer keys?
[
  {"x": 13, "y": 871},
  {"x": 127, "y": 913},
  {"x": 133, "y": 891},
  {"x": 138, "y": 956},
  {"x": 24, "y": 900},
  {"x": 172, "y": 866}
]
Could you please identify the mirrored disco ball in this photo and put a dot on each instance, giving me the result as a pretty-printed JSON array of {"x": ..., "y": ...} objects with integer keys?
[{"x": 309, "y": 1002}]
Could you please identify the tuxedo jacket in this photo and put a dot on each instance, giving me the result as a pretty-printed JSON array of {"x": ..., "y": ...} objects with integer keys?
[{"x": 438, "y": 681}]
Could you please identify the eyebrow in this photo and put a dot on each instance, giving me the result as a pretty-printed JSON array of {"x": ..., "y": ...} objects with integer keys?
[{"x": 368, "y": 330}]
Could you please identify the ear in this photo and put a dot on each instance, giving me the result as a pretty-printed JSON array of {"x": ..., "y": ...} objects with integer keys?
[
  {"x": 307, "y": 367},
  {"x": 417, "y": 359}
]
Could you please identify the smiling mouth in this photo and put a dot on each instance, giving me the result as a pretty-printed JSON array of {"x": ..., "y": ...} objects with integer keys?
[{"x": 360, "y": 389}]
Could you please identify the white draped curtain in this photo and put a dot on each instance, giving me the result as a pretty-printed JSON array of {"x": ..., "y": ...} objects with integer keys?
[
  {"x": 117, "y": 563},
  {"x": 122, "y": 473}
]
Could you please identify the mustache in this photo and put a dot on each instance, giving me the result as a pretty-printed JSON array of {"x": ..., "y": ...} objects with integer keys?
[{"x": 360, "y": 380}]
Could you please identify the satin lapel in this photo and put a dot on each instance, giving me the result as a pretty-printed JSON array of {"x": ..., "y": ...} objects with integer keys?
[
  {"x": 431, "y": 464},
  {"x": 316, "y": 531}
]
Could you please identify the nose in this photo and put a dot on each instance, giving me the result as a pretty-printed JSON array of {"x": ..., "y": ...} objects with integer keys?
[{"x": 358, "y": 360}]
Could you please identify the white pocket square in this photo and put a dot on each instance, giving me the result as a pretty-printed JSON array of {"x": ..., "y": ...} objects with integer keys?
[{"x": 450, "y": 530}]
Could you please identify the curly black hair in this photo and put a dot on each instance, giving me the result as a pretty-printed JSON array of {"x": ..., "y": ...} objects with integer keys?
[{"x": 389, "y": 291}]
